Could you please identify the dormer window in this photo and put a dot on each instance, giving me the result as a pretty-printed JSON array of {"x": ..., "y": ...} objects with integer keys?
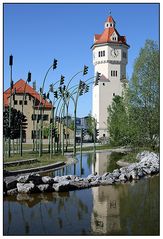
[{"x": 114, "y": 38}]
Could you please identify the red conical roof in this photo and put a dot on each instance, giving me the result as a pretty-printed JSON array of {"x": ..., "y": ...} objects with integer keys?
[{"x": 110, "y": 19}]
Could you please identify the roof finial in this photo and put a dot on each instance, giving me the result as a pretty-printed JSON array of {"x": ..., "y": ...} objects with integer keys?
[{"x": 110, "y": 12}]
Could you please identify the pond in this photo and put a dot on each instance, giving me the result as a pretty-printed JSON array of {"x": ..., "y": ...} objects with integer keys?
[
  {"x": 89, "y": 163},
  {"x": 121, "y": 209}
]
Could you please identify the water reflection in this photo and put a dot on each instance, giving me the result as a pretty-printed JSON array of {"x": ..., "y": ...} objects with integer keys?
[
  {"x": 122, "y": 209},
  {"x": 106, "y": 210},
  {"x": 126, "y": 209},
  {"x": 89, "y": 163}
]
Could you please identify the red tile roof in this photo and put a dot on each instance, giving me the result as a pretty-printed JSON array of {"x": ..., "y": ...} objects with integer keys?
[
  {"x": 20, "y": 86},
  {"x": 105, "y": 37}
]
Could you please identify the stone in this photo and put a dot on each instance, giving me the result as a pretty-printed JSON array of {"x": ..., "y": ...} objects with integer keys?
[
  {"x": 95, "y": 183},
  {"x": 131, "y": 167},
  {"x": 56, "y": 179},
  {"x": 140, "y": 173},
  {"x": 23, "y": 179},
  {"x": 26, "y": 187},
  {"x": 13, "y": 191},
  {"x": 47, "y": 180},
  {"x": 35, "y": 178},
  {"x": 123, "y": 177},
  {"x": 133, "y": 175},
  {"x": 147, "y": 170},
  {"x": 10, "y": 183},
  {"x": 45, "y": 188},
  {"x": 105, "y": 174},
  {"x": 142, "y": 155},
  {"x": 62, "y": 186},
  {"x": 116, "y": 173},
  {"x": 107, "y": 181},
  {"x": 154, "y": 169},
  {"x": 91, "y": 178}
]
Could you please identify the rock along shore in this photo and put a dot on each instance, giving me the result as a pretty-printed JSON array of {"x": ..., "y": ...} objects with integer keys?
[{"x": 148, "y": 164}]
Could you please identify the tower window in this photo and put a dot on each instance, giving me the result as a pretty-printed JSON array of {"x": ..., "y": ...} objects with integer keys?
[
  {"x": 15, "y": 102},
  {"x": 103, "y": 84},
  {"x": 111, "y": 24},
  {"x": 113, "y": 94},
  {"x": 114, "y": 73},
  {"x": 101, "y": 53}
]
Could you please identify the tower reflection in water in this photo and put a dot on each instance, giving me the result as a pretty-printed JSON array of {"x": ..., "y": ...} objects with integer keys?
[{"x": 105, "y": 216}]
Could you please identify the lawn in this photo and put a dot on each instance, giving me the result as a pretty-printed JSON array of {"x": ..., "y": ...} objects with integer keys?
[{"x": 44, "y": 160}]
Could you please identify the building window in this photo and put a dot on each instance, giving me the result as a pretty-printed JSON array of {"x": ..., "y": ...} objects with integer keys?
[
  {"x": 33, "y": 117},
  {"x": 15, "y": 102},
  {"x": 103, "y": 84},
  {"x": 29, "y": 97},
  {"x": 20, "y": 102},
  {"x": 45, "y": 117},
  {"x": 33, "y": 134},
  {"x": 114, "y": 73},
  {"x": 101, "y": 53},
  {"x": 103, "y": 135},
  {"x": 25, "y": 102},
  {"x": 113, "y": 94}
]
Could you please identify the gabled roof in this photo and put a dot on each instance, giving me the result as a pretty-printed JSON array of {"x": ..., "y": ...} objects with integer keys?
[
  {"x": 105, "y": 37},
  {"x": 20, "y": 86}
]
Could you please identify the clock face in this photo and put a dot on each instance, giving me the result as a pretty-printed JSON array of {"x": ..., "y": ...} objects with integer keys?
[{"x": 114, "y": 52}]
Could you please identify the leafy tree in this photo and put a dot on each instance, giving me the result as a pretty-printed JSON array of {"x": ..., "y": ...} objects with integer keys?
[
  {"x": 91, "y": 125},
  {"x": 134, "y": 118},
  {"x": 118, "y": 122},
  {"x": 17, "y": 119},
  {"x": 145, "y": 95},
  {"x": 71, "y": 125}
]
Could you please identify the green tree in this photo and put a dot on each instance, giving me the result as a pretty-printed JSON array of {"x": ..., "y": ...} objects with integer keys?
[
  {"x": 134, "y": 118},
  {"x": 118, "y": 122},
  {"x": 91, "y": 125},
  {"x": 145, "y": 95}
]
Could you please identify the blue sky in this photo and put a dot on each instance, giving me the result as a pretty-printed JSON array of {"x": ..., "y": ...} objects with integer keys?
[{"x": 36, "y": 33}]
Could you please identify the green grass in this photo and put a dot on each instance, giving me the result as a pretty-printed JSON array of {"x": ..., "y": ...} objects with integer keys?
[
  {"x": 129, "y": 157},
  {"x": 44, "y": 160}
]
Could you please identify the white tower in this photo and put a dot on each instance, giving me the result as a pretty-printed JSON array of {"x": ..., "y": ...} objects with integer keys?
[{"x": 109, "y": 58}]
